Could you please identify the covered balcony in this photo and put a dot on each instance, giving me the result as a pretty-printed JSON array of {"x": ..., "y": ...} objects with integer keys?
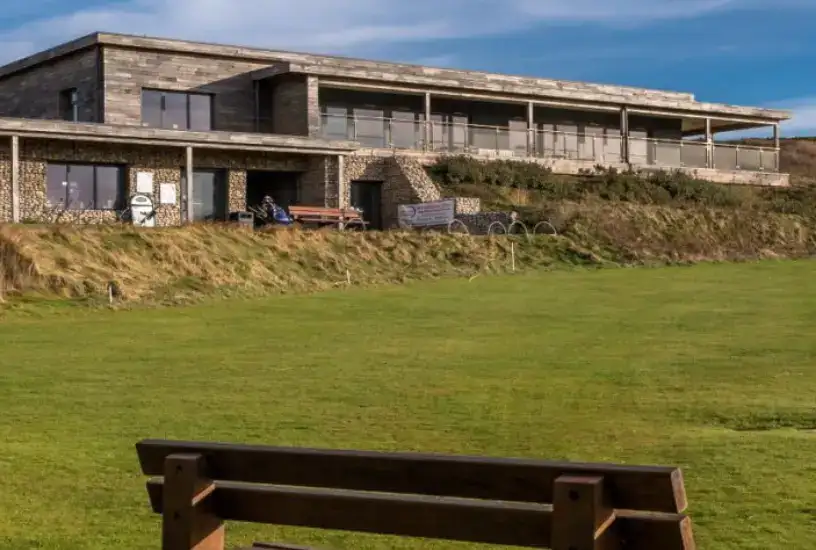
[{"x": 608, "y": 136}]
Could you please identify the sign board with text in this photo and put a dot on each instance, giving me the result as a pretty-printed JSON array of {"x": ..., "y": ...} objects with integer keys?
[{"x": 427, "y": 214}]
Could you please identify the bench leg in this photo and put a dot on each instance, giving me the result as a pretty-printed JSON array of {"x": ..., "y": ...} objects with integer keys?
[
  {"x": 581, "y": 520},
  {"x": 188, "y": 521}
]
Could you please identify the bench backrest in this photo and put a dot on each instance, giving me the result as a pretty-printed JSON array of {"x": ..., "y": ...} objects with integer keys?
[
  {"x": 517, "y": 502},
  {"x": 320, "y": 212}
]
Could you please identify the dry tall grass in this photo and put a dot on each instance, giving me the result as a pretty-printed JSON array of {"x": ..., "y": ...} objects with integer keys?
[
  {"x": 177, "y": 264},
  {"x": 181, "y": 264}
]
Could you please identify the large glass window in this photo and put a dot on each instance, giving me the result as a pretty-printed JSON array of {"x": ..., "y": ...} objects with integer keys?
[
  {"x": 85, "y": 186},
  {"x": 177, "y": 110},
  {"x": 209, "y": 194}
]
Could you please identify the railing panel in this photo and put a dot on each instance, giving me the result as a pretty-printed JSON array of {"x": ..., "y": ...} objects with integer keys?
[
  {"x": 694, "y": 154},
  {"x": 639, "y": 148},
  {"x": 665, "y": 153},
  {"x": 770, "y": 160},
  {"x": 593, "y": 144},
  {"x": 406, "y": 134},
  {"x": 725, "y": 157},
  {"x": 749, "y": 159}
]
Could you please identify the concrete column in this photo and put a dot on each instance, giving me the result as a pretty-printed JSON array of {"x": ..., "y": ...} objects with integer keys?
[
  {"x": 342, "y": 188},
  {"x": 188, "y": 171},
  {"x": 531, "y": 129},
  {"x": 624, "y": 124},
  {"x": 776, "y": 145},
  {"x": 709, "y": 136},
  {"x": 15, "y": 179},
  {"x": 428, "y": 129}
]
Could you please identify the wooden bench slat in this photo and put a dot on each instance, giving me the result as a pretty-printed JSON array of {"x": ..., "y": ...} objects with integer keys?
[
  {"x": 502, "y": 523},
  {"x": 647, "y": 488}
]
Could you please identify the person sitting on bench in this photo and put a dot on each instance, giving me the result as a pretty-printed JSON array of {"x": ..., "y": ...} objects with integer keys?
[{"x": 276, "y": 213}]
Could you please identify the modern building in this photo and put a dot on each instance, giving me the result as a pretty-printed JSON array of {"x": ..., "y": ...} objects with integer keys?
[{"x": 205, "y": 129}]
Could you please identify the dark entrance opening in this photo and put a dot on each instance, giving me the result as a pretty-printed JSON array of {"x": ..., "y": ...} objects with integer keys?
[
  {"x": 281, "y": 186},
  {"x": 368, "y": 196}
]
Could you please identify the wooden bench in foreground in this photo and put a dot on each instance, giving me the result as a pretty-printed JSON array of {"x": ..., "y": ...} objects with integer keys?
[
  {"x": 514, "y": 502},
  {"x": 341, "y": 217}
]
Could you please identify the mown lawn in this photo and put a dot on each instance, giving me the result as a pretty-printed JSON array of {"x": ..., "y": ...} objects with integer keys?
[{"x": 710, "y": 368}]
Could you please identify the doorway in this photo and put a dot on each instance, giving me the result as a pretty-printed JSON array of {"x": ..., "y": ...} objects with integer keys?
[
  {"x": 209, "y": 194},
  {"x": 367, "y": 195},
  {"x": 281, "y": 186}
]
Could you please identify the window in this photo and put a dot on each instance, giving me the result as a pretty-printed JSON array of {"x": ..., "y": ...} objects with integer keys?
[
  {"x": 85, "y": 186},
  {"x": 177, "y": 110},
  {"x": 69, "y": 105},
  {"x": 209, "y": 194}
]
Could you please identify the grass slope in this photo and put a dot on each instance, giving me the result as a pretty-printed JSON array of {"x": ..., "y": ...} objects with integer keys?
[
  {"x": 177, "y": 265},
  {"x": 674, "y": 365}
]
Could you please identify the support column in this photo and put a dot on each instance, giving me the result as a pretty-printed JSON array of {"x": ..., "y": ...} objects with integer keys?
[
  {"x": 188, "y": 171},
  {"x": 709, "y": 144},
  {"x": 428, "y": 127},
  {"x": 624, "y": 124},
  {"x": 15, "y": 179},
  {"x": 776, "y": 146},
  {"x": 531, "y": 129},
  {"x": 342, "y": 188}
]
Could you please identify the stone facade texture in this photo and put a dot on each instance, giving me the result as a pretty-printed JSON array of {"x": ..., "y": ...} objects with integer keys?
[
  {"x": 164, "y": 163},
  {"x": 404, "y": 181},
  {"x": 479, "y": 223},
  {"x": 467, "y": 205},
  {"x": 35, "y": 93},
  {"x": 5, "y": 188}
]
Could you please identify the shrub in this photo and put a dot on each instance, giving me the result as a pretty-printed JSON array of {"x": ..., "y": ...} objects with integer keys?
[{"x": 673, "y": 188}]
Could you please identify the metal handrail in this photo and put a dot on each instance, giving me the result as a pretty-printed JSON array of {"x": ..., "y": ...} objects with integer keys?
[{"x": 575, "y": 145}]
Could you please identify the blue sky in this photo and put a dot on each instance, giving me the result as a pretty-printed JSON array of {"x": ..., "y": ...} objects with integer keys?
[{"x": 753, "y": 52}]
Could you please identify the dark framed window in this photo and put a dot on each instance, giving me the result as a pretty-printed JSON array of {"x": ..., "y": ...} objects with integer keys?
[
  {"x": 209, "y": 194},
  {"x": 69, "y": 104},
  {"x": 177, "y": 110},
  {"x": 85, "y": 186}
]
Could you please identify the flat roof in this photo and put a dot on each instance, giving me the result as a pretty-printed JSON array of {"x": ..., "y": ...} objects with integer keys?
[
  {"x": 408, "y": 75},
  {"x": 140, "y": 135}
]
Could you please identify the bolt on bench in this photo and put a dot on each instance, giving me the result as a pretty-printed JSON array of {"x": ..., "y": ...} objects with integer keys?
[{"x": 513, "y": 502}]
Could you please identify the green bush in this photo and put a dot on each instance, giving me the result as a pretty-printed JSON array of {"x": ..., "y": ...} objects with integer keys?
[{"x": 655, "y": 187}]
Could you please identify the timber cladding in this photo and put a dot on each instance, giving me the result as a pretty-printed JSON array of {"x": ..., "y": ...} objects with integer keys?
[
  {"x": 35, "y": 93},
  {"x": 292, "y": 100}
]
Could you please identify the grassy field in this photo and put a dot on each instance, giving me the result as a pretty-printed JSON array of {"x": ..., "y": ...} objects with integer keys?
[{"x": 710, "y": 368}]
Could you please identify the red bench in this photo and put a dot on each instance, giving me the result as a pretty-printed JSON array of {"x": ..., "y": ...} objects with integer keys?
[{"x": 341, "y": 217}]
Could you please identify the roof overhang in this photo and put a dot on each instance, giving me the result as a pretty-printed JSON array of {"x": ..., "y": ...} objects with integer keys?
[
  {"x": 139, "y": 135},
  {"x": 405, "y": 75}
]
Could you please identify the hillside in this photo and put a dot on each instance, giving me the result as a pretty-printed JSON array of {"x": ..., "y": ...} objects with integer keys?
[
  {"x": 184, "y": 264},
  {"x": 606, "y": 219}
]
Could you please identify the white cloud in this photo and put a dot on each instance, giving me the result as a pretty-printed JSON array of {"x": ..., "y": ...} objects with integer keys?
[
  {"x": 803, "y": 122},
  {"x": 623, "y": 11},
  {"x": 354, "y": 27}
]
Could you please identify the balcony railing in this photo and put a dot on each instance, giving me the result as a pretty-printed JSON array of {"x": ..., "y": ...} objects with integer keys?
[{"x": 592, "y": 145}]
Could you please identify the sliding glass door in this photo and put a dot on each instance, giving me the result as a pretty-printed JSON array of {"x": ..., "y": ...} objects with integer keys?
[{"x": 209, "y": 194}]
